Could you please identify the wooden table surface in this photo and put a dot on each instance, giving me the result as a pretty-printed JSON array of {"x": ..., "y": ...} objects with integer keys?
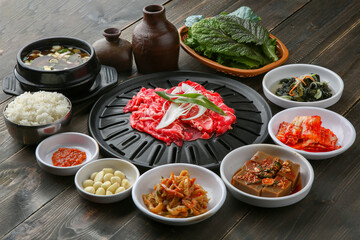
[{"x": 37, "y": 205}]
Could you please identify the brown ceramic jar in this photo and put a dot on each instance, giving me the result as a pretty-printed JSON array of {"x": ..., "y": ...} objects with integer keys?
[
  {"x": 114, "y": 51},
  {"x": 155, "y": 42}
]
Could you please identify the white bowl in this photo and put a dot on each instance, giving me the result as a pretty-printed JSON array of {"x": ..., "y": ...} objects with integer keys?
[
  {"x": 339, "y": 125},
  {"x": 32, "y": 135},
  {"x": 212, "y": 183},
  {"x": 130, "y": 170},
  {"x": 47, "y": 147},
  {"x": 334, "y": 81},
  {"x": 237, "y": 158}
]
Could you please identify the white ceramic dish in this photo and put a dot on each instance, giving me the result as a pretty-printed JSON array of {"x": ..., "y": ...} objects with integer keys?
[
  {"x": 47, "y": 147},
  {"x": 212, "y": 183},
  {"x": 334, "y": 81},
  {"x": 237, "y": 158},
  {"x": 339, "y": 125},
  {"x": 130, "y": 170}
]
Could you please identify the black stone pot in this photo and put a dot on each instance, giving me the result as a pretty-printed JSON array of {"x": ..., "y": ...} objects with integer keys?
[{"x": 70, "y": 81}]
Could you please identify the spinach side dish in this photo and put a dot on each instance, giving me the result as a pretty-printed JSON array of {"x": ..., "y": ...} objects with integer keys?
[{"x": 305, "y": 88}]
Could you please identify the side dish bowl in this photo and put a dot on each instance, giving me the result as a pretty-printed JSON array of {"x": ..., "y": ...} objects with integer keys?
[
  {"x": 216, "y": 190},
  {"x": 271, "y": 78},
  {"x": 237, "y": 158},
  {"x": 67, "y": 81},
  {"x": 339, "y": 125},
  {"x": 129, "y": 169},
  {"x": 32, "y": 135},
  {"x": 80, "y": 141},
  {"x": 283, "y": 54}
]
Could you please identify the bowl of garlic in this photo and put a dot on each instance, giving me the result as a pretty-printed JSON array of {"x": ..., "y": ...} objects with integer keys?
[{"x": 106, "y": 180}]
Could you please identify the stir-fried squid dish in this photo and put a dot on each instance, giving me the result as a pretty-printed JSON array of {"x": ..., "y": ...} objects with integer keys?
[{"x": 177, "y": 197}]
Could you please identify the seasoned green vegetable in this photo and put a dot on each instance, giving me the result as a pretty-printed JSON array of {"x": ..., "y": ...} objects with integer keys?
[
  {"x": 233, "y": 41},
  {"x": 306, "y": 88}
]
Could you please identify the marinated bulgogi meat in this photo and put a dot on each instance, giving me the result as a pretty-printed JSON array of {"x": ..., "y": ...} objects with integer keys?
[{"x": 147, "y": 109}]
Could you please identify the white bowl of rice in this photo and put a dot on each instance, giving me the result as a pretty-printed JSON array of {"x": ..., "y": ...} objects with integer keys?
[{"x": 31, "y": 117}]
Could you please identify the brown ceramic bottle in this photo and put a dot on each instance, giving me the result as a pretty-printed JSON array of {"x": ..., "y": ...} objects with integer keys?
[
  {"x": 155, "y": 42},
  {"x": 114, "y": 51}
]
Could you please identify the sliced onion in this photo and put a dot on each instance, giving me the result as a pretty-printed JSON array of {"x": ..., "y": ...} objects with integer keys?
[
  {"x": 176, "y": 90},
  {"x": 175, "y": 110},
  {"x": 189, "y": 89},
  {"x": 201, "y": 111}
]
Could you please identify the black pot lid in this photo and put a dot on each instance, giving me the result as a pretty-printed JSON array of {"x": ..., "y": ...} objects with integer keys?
[{"x": 110, "y": 126}]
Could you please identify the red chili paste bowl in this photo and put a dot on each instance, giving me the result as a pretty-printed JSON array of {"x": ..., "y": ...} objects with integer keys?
[{"x": 70, "y": 140}]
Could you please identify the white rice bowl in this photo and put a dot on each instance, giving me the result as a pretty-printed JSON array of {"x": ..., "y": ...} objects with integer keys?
[{"x": 38, "y": 108}]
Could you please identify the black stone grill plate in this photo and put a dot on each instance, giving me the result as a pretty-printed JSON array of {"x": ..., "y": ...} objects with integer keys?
[{"x": 110, "y": 126}]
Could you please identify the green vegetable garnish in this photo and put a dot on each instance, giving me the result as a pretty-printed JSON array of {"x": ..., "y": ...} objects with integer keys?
[
  {"x": 193, "y": 98},
  {"x": 234, "y": 40},
  {"x": 63, "y": 50}
]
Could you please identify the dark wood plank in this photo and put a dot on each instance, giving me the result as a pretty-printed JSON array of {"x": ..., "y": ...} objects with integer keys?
[
  {"x": 15, "y": 170},
  {"x": 81, "y": 120},
  {"x": 330, "y": 211},
  {"x": 87, "y": 22},
  {"x": 30, "y": 21},
  {"x": 326, "y": 206},
  {"x": 304, "y": 41},
  {"x": 50, "y": 205},
  {"x": 319, "y": 41},
  {"x": 340, "y": 57},
  {"x": 308, "y": 32},
  {"x": 215, "y": 227},
  {"x": 70, "y": 216},
  {"x": 24, "y": 21},
  {"x": 25, "y": 188}
]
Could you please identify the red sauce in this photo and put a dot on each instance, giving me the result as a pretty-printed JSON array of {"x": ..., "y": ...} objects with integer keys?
[
  {"x": 67, "y": 157},
  {"x": 297, "y": 187},
  {"x": 250, "y": 178}
]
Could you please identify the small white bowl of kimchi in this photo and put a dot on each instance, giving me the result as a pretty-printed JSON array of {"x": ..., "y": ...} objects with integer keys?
[
  {"x": 179, "y": 193},
  {"x": 298, "y": 129}
]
